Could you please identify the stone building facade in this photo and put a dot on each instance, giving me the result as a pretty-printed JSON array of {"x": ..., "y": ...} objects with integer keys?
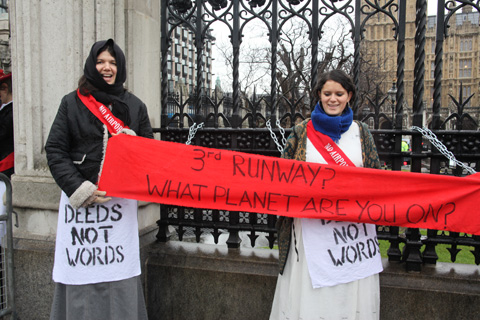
[
  {"x": 182, "y": 62},
  {"x": 461, "y": 62}
]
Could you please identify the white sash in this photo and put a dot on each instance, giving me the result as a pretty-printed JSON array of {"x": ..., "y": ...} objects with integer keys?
[{"x": 96, "y": 244}]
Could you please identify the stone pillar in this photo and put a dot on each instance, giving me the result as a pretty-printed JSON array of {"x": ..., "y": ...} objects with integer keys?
[{"x": 50, "y": 42}]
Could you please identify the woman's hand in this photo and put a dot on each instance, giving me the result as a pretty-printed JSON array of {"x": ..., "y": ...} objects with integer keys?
[
  {"x": 96, "y": 197},
  {"x": 99, "y": 197}
]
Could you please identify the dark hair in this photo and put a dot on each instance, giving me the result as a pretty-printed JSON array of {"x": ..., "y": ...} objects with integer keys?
[
  {"x": 84, "y": 85},
  {"x": 335, "y": 75},
  {"x": 107, "y": 47}
]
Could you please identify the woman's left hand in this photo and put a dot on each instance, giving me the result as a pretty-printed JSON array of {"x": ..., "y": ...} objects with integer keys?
[{"x": 99, "y": 197}]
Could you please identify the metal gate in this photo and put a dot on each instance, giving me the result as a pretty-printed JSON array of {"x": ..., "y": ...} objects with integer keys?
[{"x": 238, "y": 121}]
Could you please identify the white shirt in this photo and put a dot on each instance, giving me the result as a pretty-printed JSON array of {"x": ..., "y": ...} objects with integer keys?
[{"x": 5, "y": 104}]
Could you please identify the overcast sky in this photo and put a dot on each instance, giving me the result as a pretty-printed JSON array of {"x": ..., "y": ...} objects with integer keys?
[{"x": 432, "y": 7}]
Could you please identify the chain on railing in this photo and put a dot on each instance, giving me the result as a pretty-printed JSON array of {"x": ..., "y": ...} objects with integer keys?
[
  {"x": 192, "y": 131},
  {"x": 274, "y": 136},
  {"x": 427, "y": 133}
]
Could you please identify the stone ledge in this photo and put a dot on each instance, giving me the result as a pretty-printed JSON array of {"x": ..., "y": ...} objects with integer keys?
[
  {"x": 183, "y": 278},
  {"x": 204, "y": 281},
  {"x": 214, "y": 257},
  {"x": 442, "y": 277},
  {"x": 35, "y": 192},
  {"x": 37, "y": 245}
]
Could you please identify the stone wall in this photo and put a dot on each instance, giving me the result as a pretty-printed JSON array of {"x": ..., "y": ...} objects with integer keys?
[
  {"x": 185, "y": 280},
  {"x": 198, "y": 281}
]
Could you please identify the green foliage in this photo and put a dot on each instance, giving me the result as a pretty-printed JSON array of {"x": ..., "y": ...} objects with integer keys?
[{"x": 465, "y": 256}]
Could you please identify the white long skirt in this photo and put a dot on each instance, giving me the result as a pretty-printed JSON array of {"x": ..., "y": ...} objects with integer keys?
[{"x": 296, "y": 299}]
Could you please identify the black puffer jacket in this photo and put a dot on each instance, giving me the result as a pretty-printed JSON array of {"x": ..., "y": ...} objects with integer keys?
[{"x": 76, "y": 144}]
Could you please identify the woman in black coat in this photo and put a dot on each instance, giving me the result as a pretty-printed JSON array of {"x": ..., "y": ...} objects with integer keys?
[{"x": 97, "y": 262}]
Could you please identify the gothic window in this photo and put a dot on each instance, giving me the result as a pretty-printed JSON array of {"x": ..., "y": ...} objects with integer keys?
[
  {"x": 466, "y": 44},
  {"x": 465, "y": 68}
]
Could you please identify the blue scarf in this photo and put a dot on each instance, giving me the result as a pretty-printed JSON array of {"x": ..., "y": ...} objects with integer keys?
[{"x": 332, "y": 126}]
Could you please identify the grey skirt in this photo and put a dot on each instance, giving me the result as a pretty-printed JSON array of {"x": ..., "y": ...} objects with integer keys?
[{"x": 115, "y": 300}]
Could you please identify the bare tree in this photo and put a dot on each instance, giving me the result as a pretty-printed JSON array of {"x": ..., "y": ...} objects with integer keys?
[
  {"x": 252, "y": 70},
  {"x": 293, "y": 69},
  {"x": 372, "y": 78}
]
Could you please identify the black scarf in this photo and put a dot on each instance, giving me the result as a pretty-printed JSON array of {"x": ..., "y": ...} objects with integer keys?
[{"x": 108, "y": 94}]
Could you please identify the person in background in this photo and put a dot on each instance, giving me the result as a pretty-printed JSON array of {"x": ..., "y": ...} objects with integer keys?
[
  {"x": 6, "y": 124},
  {"x": 97, "y": 260},
  {"x": 6, "y": 156},
  {"x": 329, "y": 269}
]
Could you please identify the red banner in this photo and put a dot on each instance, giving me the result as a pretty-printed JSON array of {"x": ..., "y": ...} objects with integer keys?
[{"x": 192, "y": 176}]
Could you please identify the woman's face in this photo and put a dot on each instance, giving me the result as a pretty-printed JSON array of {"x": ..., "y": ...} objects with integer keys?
[
  {"x": 334, "y": 98},
  {"x": 4, "y": 93},
  {"x": 107, "y": 66}
]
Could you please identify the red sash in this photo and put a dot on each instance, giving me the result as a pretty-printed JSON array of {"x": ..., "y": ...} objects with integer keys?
[
  {"x": 7, "y": 162},
  {"x": 114, "y": 125},
  {"x": 327, "y": 147}
]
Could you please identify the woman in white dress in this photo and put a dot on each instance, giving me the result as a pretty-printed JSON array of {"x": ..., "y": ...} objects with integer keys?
[{"x": 328, "y": 269}]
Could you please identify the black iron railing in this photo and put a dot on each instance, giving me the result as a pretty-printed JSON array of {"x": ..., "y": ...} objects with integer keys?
[{"x": 236, "y": 120}]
